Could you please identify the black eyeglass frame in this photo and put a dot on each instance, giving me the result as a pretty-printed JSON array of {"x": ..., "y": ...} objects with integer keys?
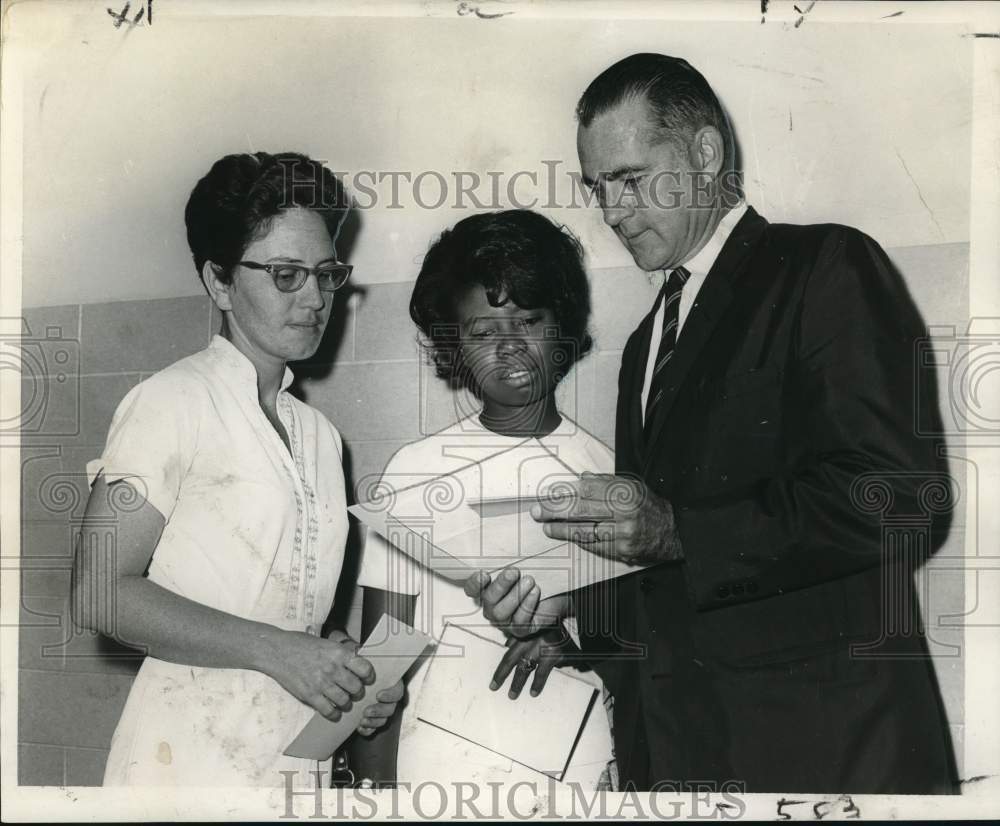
[{"x": 343, "y": 272}]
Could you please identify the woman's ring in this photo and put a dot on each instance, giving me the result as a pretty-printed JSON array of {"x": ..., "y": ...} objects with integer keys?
[{"x": 527, "y": 664}]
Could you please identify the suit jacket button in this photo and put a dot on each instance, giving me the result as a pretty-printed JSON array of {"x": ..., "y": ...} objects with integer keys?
[
  {"x": 723, "y": 592},
  {"x": 738, "y": 589},
  {"x": 645, "y": 585},
  {"x": 751, "y": 587}
]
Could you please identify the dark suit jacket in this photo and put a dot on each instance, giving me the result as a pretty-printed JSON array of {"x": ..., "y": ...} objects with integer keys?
[{"x": 785, "y": 442}]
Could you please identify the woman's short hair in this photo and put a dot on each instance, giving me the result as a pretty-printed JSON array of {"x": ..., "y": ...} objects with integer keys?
[
  {"x": 515, "y": 255},
  {"x": 235, "y": 202}
]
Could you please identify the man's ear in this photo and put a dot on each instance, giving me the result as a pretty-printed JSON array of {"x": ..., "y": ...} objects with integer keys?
[
  {"x": 709, "y": 150},
  {"x": 218, "y": 290}
]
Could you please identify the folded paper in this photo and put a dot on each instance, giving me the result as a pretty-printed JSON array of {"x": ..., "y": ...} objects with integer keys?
[{"x": 479, "y": 518}]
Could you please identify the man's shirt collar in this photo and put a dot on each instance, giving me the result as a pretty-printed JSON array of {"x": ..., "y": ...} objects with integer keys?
[{"x": 702, "y": 262}]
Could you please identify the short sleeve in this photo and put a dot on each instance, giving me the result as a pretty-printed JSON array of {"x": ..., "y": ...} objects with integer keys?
[
  {"x": 383, "y": 565},
  {"x": 151, "y": 441}
]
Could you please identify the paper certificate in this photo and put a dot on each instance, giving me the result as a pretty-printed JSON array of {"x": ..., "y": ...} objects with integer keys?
[
  {"x": 537, "y": 732},
  {"x": 391, "y": 648}
]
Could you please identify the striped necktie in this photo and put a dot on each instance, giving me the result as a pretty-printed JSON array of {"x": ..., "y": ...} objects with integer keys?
[{"x": 671, "y": 297}]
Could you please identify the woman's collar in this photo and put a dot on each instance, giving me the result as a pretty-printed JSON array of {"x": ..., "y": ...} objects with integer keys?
[{"x": 240, "y": 367}]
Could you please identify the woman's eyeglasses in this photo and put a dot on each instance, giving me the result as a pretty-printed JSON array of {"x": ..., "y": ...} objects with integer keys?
[{"x": 290, "y": 277}]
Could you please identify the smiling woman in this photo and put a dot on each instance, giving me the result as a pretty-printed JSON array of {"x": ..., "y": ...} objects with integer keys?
[{"x": 228, "y": 555}]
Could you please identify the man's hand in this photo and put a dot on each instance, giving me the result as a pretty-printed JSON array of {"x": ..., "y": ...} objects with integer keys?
[
  {"x": 613, "y": 516},
  {"x": 536, "y": 655},
  {"x": 514, "y": 603}
]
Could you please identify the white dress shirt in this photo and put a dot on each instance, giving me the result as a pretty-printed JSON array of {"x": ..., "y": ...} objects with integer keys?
[{"x": 698, "y": 265}]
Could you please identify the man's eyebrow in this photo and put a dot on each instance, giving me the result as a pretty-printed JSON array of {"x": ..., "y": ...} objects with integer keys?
[
  {"x": 615, "y": 174},
  {"x": 622, "y": 171}
]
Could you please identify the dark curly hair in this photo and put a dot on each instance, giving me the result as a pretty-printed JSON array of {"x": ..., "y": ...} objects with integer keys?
[
  {"x": 236, "y": 201},
  {"x": 516, "y": 255}
]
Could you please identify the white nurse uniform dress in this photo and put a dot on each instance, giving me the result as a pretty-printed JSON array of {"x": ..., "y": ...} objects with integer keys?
[{"x": 252, "y": 529}]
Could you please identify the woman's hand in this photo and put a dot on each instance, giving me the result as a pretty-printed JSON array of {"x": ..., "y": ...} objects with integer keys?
[
  {"x": 513, "y": 602},
  {"x": 326, "y": 674},
  {"x": 538, "y": 654},
  {"x": 378, "y": 714}
]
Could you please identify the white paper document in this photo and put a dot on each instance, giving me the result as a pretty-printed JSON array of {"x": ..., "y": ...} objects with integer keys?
[
  {"x": 479, "y": 518},
  {"x": 537, "y": 732},
  {"x": 391, "y": 648}
]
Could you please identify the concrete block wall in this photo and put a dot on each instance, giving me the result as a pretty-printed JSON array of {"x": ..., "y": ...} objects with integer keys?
[
  {"x": 371, "y": 380},
  {"x": 78, "y": 362}
]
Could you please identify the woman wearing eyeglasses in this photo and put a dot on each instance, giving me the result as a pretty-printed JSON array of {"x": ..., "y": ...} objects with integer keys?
[{"x": 223, "y": 501}]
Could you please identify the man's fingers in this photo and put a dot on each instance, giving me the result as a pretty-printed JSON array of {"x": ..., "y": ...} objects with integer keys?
[
  {"x": 588, "y": 498},
  {"x": 582, "y": 533},
  {"x": 577, "y": 509},
  {"x": 602, "y": 485},
  {"x": 474, "y": 584}
]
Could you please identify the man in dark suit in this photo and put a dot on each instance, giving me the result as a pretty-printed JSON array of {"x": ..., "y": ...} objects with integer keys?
[{"x": 765, "y": 439}]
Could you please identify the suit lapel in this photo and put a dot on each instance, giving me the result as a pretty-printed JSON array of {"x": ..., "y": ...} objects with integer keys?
[{"x": 713, "y": 298}]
